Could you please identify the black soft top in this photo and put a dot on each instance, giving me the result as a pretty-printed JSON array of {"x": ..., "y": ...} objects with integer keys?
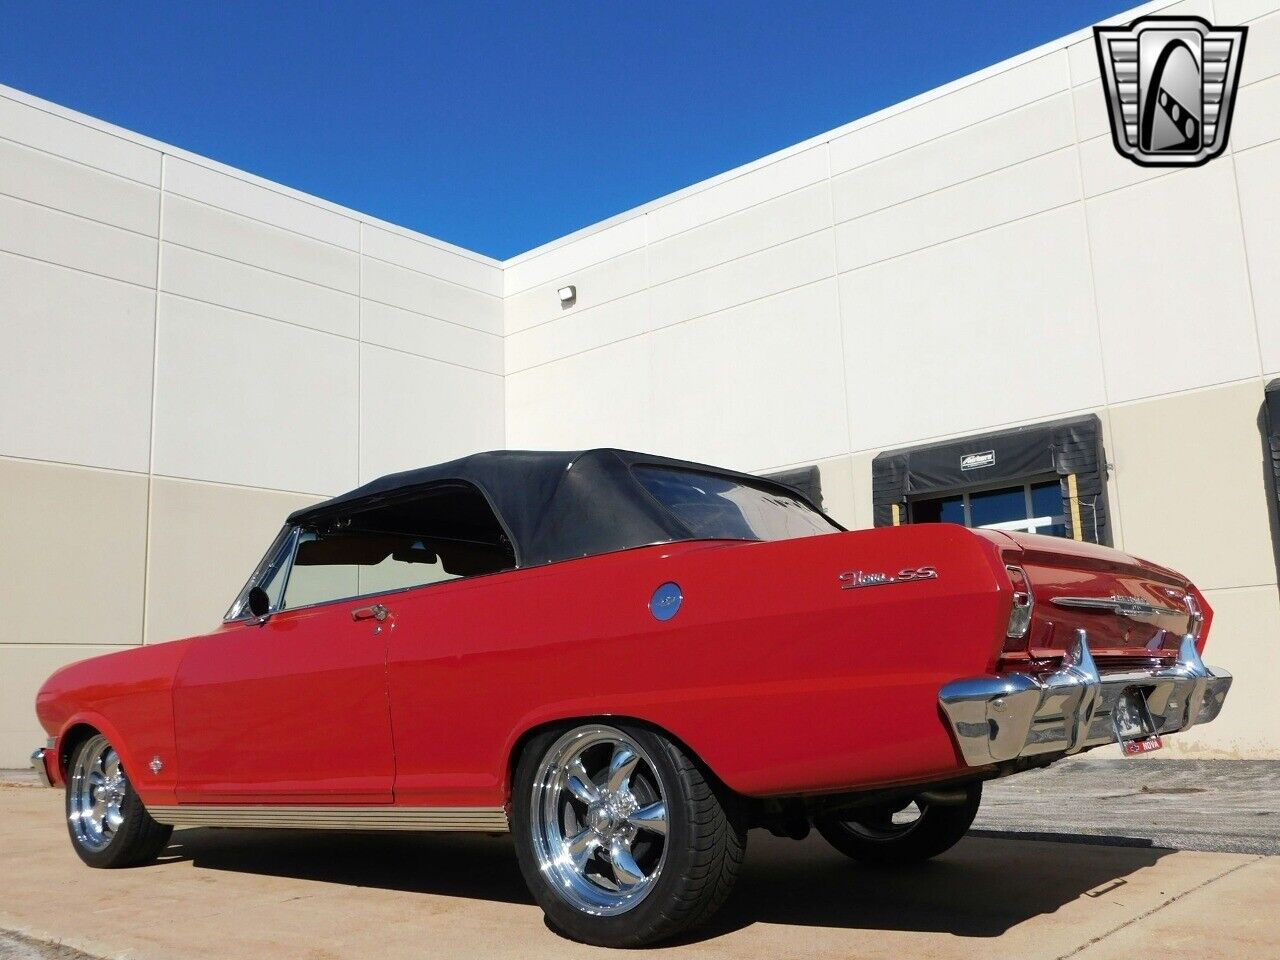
[{"x": 554, "y": 504}]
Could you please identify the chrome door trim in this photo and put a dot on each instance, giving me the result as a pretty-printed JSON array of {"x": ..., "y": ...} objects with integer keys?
[{"x": 301, "y": 817}]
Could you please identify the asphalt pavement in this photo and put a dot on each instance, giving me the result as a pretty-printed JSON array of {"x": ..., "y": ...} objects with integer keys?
[{"x": 1220, "y": 806}]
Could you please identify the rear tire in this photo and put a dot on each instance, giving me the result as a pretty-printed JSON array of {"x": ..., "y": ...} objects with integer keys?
[
  {"x": 621, "y": 839},
  {"x": 873, "y": 836},
  {"x": 108, "y": 824}
]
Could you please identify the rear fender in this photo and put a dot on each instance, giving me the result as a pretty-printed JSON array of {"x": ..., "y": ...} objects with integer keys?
[{"x": 793, "y": 666}]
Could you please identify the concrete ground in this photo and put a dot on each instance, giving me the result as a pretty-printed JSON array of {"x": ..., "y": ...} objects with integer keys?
[{"x": 314, "y": 896}]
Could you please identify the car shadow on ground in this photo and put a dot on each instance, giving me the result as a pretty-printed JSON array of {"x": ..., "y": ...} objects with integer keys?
[{"x": 984, "y": 886}]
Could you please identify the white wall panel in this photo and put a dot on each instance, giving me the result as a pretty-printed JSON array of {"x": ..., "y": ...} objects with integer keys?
[
  {"x": 1190, "y": 471},
  {"x": 749, "y": 231},
  {"x": 426, "y": 257},
  {"x": 956, "y": 338},
  {"x": 211, "y": 279},
  {"x": 1262, "y": 49},
  {"x": 233, "y": 237},
  {"x": 1257, "y": 115},
  {"x": 544, "y": 265},
  {"x": 755, "y": 386},
  {"x": 1042, "y": 127},
  {"x": 1028, "y": 188},
  {"x": 1082, "y": 61},
  {"x": 748, "y": 278},
  {"x": 702, "y": 205},
  {"x": 1246, "y": 622},
  {"x": 601, "y": 398},
  {"x": 1103, "y": 170},
  {"x": 75, "y": 368},
  {"x": 1260, "y": 207},
  {"x": 952, "y": 111},
  {"x": 55, "y": 237},
  {"x": 415, "y": 411},
  {"x": 1172, "y": 287},
  {"x": 578, "y": 331},
  {"x": 271, "y": 205},
  {"x": 241, "y": 399},
  {"x": 36, "y": 126},
  {"x": 75, "y": 540},
  {"x": 1242, "y": 11},
  {"x": 430, "y": 296},
  {"x": 429, "y": 337},
  {"x": 1090, "y": 104},
  {"x": 622, "y": 275},
  {"x": 51, "y": 181}
]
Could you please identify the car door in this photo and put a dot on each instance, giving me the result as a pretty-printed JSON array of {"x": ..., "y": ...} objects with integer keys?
[{"x": 289, "y": 710}]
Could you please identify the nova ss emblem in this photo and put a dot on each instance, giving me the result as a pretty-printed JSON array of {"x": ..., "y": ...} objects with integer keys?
[
  {"x": 853, "y": 579},
  {"x": 1120, "y": 606}
]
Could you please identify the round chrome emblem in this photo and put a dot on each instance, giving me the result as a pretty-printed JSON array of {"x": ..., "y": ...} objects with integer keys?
[{"x": 666, "y": 600}]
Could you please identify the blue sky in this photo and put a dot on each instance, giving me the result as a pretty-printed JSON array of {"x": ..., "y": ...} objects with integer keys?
[{"x": 501, "y": 126}]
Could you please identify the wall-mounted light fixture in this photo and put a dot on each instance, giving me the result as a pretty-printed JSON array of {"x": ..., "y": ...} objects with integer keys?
[{"x": 568, "y": 296}]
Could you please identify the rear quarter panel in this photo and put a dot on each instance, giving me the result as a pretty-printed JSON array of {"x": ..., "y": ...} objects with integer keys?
[{"x": 775, "y": 676}]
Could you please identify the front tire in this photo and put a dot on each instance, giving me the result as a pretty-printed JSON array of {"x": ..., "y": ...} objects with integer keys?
[
  {"x": 895, "y": 835},
  {"x": 621, "y": 839},
  {"x": 108, "y": 824}
]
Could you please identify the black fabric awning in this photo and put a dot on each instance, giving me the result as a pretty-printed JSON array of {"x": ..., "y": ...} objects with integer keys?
[{"x": 1065, "y": 448}]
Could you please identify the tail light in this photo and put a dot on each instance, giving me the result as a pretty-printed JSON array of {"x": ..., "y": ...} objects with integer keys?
[{"x": 1024, "y": 602}]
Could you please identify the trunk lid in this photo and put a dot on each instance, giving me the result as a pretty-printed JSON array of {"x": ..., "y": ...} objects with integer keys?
[{"x": 1134, "y": 611}]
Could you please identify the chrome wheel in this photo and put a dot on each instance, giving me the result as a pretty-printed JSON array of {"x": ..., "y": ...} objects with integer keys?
[
  {"x": 599, "y": 820},
  {"x": 96, "y": 794}
]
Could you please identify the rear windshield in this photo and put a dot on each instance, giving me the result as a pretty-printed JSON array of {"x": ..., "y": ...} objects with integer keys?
[{"x": 721, "y": 508}]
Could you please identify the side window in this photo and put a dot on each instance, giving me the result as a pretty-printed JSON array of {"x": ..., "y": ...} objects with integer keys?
[{"x": 444, "y": 532}]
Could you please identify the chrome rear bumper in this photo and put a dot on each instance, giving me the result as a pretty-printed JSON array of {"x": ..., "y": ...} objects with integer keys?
[
  {"x": 1006, "y": 716},
  {"x": 40, "y": 766}
]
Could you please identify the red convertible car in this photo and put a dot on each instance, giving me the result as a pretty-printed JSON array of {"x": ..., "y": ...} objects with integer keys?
[{"x": 627, "y": 661}]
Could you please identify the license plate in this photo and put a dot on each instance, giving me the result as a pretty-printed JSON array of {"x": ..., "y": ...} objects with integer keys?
[{"x": 1135, "y": 730}]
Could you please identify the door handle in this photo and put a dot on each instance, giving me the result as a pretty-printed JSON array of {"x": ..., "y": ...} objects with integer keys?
[{"x": 376, "y": 612}]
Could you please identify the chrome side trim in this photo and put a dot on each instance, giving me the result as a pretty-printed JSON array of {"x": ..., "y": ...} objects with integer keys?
[
  {"x": 40, "y": 767},
  {"x": 1005, "y": 716},
  {"x": 300, "y": 817},
  {"x": 1120, "y": 606}
]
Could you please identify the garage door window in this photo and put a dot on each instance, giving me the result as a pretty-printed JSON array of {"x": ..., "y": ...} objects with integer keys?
[{"x": 1029, "y": 507}]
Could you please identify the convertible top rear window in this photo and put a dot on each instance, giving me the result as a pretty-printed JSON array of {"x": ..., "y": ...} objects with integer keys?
[{"x": 727, "y": 508}]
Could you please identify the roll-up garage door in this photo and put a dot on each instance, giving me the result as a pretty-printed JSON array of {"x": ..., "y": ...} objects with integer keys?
[{"x": 1048, "y": 478}]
